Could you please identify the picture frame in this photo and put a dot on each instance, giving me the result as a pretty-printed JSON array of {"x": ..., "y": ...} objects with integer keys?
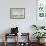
[
  {"x": 41, "y": 8},
  {"x": 17, "y": 13},
  {"x": 40, "y": 12}
]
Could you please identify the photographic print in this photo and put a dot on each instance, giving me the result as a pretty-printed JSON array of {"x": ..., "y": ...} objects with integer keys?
[{"x": 17, "y": 13}]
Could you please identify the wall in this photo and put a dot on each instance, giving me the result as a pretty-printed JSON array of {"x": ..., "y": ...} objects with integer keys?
[{"x": 23, "y": 24}]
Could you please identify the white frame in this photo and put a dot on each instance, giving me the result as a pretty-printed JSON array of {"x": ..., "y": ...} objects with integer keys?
[{"x": 42, "y": 12}]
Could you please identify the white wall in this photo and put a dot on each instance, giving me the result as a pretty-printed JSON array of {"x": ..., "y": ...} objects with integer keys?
[{"x": 23, "y": 24}]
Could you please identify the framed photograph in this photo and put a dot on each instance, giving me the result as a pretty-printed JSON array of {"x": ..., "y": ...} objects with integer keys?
[
  {"x": 41, "y": 12},
  {"x": 17, "y": 13},
  {"x": 41, "y": 8}
]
